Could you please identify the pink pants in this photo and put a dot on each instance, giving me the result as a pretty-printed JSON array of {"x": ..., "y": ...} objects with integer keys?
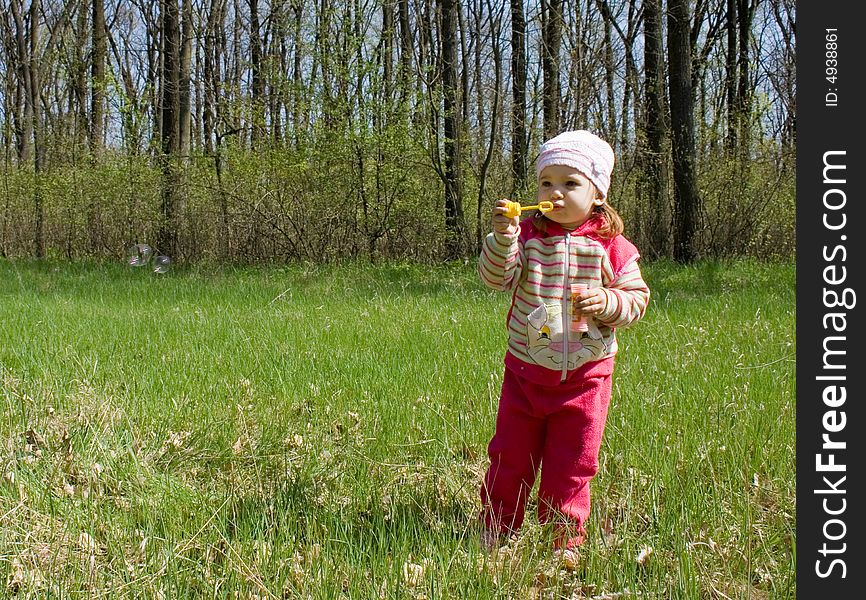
[{"x": 557, "y": 427}]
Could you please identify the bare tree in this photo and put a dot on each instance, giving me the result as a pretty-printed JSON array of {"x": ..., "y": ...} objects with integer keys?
[
  {"x": 258, "y": 84},
  {"x": 406, "y": 49},
  {"x": 130, "y": 99},
  {"x": 454, "y": 220},
  {"x": 731, "y": 76},
  {"x": 167, "y": 237},
  {"x": 463, "y": 70},
  {"x": 386, "y": 44},
  {"x": 26, "y": 72},
  {"x": 551, "y": 15},
  {"x": 653, "y": 191},
  {"x": 745, "y": 15},
  {"x": 79, "y": 81},
  {"x": 609, "y": 122},
  {"x": 686, "y": 198},
  {"x": 98, "y": 81},
  {"x": 184, "y": 118},
  {"x": 519, "y": 139},
  {"x": 781, "y": 72},
  {"x": 495, "y": 19},
  {"x": 630, "y": 86},
  {"x": 10, "y": 84},
  {"x": 31, "y": 59},
  {"x": 325, "y": 75},
  {"x": 211, "y": 70}
]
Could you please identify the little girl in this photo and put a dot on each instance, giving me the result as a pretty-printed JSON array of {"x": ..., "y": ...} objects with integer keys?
[{"x": 575, "y": 280}]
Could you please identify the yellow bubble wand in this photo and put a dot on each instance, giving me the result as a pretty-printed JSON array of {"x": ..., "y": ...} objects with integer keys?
[{"x": 513, "y": 209}]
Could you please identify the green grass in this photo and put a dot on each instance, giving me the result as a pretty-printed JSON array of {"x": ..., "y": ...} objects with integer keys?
[{"x": 320, "y": 431}]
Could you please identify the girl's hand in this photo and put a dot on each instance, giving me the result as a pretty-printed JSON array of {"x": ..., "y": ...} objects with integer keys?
[
  {"x": 502, "y": 224},
  {"x": 590, "y": 302}
]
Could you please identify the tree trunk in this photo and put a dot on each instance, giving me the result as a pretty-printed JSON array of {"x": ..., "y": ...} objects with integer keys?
[
  {"x": 578, "y": 84},
  {"x": 324, "y": 53},
  {"x": 155, "y": 55},
  {"x": 98, "y": 82},
  {"x": 299, "y": 120},
  {"x": 167, "y": 236},
  {"x": 745, "y": 14},
  {"x": 478, "y": 76},
  {"x": 28, "y": 56},
  {"x": 686, "y": 198},
  {"x": 454, "y": 220},
  {"x": 9, "y": 85},
  {"x": 24, "y": 92},
  {"x": 9, "y": 118},
  {"x": 654, "y": 190},
  {"x": 387, "y": 42},
  {"x": 426, "y": 105},
  {"x": 184, "y": 116},
  {"x": 609, "y": 74},
  {"x": 464, "y": 68},
  {"x": 551, "y": 14},
  {"x": 784, "y": 81},
  {"x": 210, "y": 70},
  {"x": 519, "y": 141},
  {"x": 78, "y": 93},
  {"x": 406, "y": 49},
  {"x": 278, "y": 55},
  {"x": 356, "y": 115},
  {"x": 234, "y": 71},
  {"x": 731, "y": 77},
  {"x": 38, "y": 131},
  {"x": 631, "y": 77},
  {"x": 495, "y": 32},
  {"x": 258, "y": 85}
]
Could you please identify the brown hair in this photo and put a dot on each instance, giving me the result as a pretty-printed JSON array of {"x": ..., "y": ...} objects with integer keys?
[{"x": 611, "y": 225}]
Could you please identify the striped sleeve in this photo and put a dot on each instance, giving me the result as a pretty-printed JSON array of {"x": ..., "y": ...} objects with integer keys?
[
  {"x": 500, "y": 262},
  {"x": 627, "y": 298}
]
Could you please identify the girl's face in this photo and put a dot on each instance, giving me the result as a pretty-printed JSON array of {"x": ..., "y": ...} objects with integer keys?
[{"x": 572, "y": 194}]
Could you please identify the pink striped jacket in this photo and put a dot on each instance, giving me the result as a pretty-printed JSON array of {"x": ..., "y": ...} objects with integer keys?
[{"x": 540, "y": 269}]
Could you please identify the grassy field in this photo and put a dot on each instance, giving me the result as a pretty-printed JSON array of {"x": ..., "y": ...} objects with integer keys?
[{"x": 320, "y": 432}]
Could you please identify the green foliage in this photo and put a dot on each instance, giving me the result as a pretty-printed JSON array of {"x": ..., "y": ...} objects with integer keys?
[
  {"x": 307, "y": 202},
  {"x": 92, "y": 211},
  {"x": 748, "y": 208},
  {"x": 319, "y": 431}
]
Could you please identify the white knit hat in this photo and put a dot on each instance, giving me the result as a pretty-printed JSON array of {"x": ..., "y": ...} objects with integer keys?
[{"x": 582, "y": 150}]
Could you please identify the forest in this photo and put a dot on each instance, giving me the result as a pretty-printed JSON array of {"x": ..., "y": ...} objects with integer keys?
[{"x": 259, "y": 131}]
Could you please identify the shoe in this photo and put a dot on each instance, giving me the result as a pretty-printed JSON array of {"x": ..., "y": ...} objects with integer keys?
[
  {"x": 568, "y": 558},
  {"x": 489, "y": 540}
]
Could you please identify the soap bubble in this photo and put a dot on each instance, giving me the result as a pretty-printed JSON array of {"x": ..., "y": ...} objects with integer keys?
[
  {"x": 138, "y": 255},
  {"x": 160, "y": 264}
]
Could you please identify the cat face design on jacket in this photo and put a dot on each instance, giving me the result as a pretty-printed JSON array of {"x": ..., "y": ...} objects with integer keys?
[{"x": 544, "y": 333}]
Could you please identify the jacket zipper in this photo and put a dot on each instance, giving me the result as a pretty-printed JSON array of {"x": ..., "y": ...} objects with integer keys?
[{"x": 565, "y": 300}]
